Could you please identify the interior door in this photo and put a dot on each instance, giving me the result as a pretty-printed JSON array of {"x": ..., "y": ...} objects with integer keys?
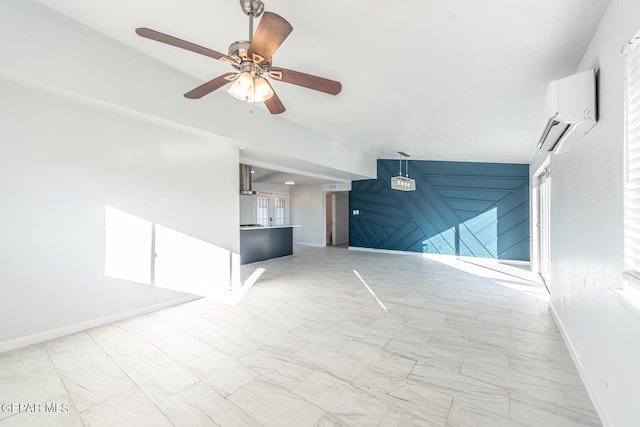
[{"x": 544, "y": 217}]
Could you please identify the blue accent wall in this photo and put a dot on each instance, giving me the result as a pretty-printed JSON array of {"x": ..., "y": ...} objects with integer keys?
[{"x": 458, "y": 208}]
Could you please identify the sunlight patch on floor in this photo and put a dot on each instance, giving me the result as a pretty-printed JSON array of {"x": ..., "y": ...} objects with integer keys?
[{"x": 370, "y": 290}]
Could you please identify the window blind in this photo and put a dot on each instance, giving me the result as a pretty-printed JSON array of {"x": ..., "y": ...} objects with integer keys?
[{"x": 632, "y": 163}]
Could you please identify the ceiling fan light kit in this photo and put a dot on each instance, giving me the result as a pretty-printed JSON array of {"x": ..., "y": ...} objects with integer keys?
[
  {"x": 252, "y": 61},
  {"x": 403, "y": 182}
]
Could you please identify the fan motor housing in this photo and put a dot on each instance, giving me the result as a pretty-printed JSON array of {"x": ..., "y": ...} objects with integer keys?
[
  {"x": 239, "y": 50},
  {"x": 252, "y": 7}
]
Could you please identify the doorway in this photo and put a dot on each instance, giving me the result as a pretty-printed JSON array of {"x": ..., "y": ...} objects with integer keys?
[
  {"x": 329, "y": 223},
  {"x": 543, "y": 220},
  {"x": 337, "y": 218}
]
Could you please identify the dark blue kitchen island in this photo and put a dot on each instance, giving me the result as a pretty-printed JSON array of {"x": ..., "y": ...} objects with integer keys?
[{"x": 261, "y": 243}]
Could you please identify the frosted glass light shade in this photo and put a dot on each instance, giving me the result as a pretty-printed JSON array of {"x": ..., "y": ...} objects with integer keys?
[
  {"x": 262, "y": 90},
  {"x": 242, "y": 87},
  {"x": 403, "y": 183},
  {"x": 251, "y": 89}
]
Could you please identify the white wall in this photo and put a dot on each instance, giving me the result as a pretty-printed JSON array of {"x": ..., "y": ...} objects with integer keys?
[
  {"x": 61, "y": 162},
  {"x": 265, "y": 187},
  {"x": 40, "y": 46},
  {"x": 307, "y": 210},
  {"x": 587, "y": 234}
]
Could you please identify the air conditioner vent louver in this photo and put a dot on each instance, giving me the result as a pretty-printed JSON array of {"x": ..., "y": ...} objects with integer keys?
[
  {"x": 571, "y": 111},
  {"x": 553, "y": 134}
]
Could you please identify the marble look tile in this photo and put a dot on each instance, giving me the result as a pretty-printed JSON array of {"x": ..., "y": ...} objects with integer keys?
[
  {"x": 515, "y": 381},
  {"x": 76, "y": 351},
  {"x": 471, "y": 349},
  {"x": 510, "y": 345},
  {"x": 272, "y": 405},
  {"x": 463, "y": 414},
  {"x": 432, "y": 309},
  {"x": 420, "y": 399},
  {"x": 208, "y": 309},
  {"x": 533, "y": 412},
  {"x": 338, "y": 364},
  {"x": 240, "y": 324},
  {"x": 151, "y": 327},
  {"x": 580, "y": 402},
  {"x": 124, "y": 346},
  {"x": 36, "y": 385},
  {"x": 23, "y": 359},
  {"x": 447, "y": 350},
  {"x": 329, "y": 420},
  {"x": 201, "y": 405},
  {"x": 469, "y": 327},
  {"x": 222, "y": 372},
  {"x": 462, "y": 387},
  {"x": 364, "y": 333},
  {"x": 197, "y": 326},
  {"x": 527, "y": 325},
  {"x": 233, "y": 346},
  {"x": 160, "y": 377},
  {"x": 547, "y": 368},
  {"x": 93, "y": 385},
  {"x": 182, "y": 347},
  {"x": 280, "y": 367},
  {"x": 88, "y": 373},
  {"x": 113, "y": 333},
  {"x": 278, "y": 338},
  {"x": 282, "y": 318},
  {"x": 128, "y": 409},
  {"x": 379, "y": 359},
  {"x": 397, "y": 417},
  {"x": 339, "y": 397},
  {"x": 497, "y": 310},
  {"x": 322, "y": 337},
  {"x": 553, "y": 342}
]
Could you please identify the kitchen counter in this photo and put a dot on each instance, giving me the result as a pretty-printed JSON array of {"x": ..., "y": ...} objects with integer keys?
[
  {"x": 262, "y": 243},
  {"x": 269, "y": 226}
]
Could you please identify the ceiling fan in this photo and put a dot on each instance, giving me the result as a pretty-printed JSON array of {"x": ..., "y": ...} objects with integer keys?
[{"x": 252, "y": 61}]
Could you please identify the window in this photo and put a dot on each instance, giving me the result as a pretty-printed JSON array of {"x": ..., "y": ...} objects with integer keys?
[
  {"x": 271, "y": 209},
  {"x": 262, "y": 216},
  {"x": 280, "y": 217},
  {"x": 632, "y": 165}
]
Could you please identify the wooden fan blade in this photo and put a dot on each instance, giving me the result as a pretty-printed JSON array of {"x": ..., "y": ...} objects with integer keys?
[
  {"x": 210, "y": 86},
  {"x": 321, "y": 84},
  {"x": 274, "y": 104},
  {"x": 271, "y": 32},
  {"x": 183, "y": 44}
]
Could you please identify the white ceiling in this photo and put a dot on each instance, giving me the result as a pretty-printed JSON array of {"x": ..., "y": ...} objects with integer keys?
[{"x": 442, "y": 80}]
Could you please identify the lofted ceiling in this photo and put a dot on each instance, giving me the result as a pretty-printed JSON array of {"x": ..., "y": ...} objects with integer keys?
[{"x": 441, "y": 80}]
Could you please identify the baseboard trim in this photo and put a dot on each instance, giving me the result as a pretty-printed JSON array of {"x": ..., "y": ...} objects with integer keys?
[
  {"x": 601, "y": 408},
  {"x": 436, "y": 256},
  {"x": 93, "y": 323},
  {"x": 314, "y": 245}
]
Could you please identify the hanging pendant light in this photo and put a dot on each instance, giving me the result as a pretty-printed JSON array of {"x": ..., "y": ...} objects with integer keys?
[{"x": 400, "y": 182}]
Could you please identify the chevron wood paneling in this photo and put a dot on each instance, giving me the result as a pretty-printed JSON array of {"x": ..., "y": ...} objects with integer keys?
[{"x": 458, "y": 208}]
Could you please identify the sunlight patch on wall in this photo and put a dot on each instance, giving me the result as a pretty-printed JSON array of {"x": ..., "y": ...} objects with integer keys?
[
  {"x": 186, "y": 264},
  {"x": 481, "y": 231},
  {"x": 139, "y": 251},
  {"x": 127, "y": 246}
]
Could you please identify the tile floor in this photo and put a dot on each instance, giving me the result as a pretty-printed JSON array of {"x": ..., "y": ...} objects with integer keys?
[{"x": 407, "y": 341}]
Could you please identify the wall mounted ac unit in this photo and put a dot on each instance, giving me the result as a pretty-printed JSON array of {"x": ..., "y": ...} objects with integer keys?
[{"x": 571, "y": 111}]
